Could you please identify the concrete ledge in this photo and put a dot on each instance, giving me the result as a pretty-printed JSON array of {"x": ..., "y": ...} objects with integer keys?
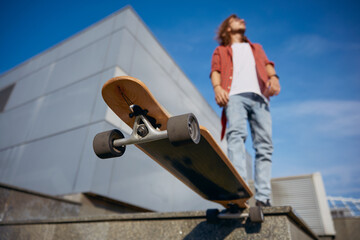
[
  {"x": 17, "y": 204},
  {"x": 36, "y": 194},
  {"x": 280, "y": 223}
]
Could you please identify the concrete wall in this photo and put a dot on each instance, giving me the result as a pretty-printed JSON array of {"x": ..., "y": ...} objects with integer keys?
[
  {"x": 56, "y": 108},
  {"x": 347, "y": 228}
]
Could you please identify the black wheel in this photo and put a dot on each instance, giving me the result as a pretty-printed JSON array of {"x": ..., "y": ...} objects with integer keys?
[
  {"x": 256, "y": 215},
  {"x": 212, "y": 215},
  {"x": 104, "y": 147},
  {"x": 183, "y": 130}
]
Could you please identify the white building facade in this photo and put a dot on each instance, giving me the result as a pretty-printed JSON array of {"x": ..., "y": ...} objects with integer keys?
[
  {"x": 51, "y": 109},
  {"x": 306, "y": 194}
]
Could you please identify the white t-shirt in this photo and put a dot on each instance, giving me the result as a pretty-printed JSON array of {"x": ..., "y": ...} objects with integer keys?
[{"x": 244, "y": 70}]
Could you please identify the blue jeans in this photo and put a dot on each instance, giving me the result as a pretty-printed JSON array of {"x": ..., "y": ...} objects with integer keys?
[{"x": 243, "y": 108}]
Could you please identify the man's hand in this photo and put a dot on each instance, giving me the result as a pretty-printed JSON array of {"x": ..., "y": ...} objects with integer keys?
[
  {"x": 221, "y": 96},
  {"x": 272, "y": 87}
]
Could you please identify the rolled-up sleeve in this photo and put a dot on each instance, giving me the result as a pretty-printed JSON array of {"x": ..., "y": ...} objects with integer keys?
[
  {"x": 215, "y": 61},
  {"x": 264, "y": 57}
]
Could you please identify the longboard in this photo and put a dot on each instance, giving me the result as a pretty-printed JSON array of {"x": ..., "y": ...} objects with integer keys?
[{"x": 201, "y": 165}]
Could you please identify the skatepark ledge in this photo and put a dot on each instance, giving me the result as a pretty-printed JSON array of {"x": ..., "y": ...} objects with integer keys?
[{"x": 279, "y": 223}]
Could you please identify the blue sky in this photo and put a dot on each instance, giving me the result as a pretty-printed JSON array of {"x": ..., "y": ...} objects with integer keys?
[{"x": 314, "y": 44}]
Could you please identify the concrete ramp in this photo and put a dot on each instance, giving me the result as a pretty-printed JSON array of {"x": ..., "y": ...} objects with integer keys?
[{"x": 280, "y": 223}]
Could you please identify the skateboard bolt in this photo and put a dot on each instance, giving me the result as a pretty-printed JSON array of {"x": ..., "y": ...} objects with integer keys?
[{"x": 142, "y": 130}]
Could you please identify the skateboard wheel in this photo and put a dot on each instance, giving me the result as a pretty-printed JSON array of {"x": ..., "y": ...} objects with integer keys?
[
  {"x": 256, "y": 215},
  {"x": 183, "y": 130},
  {"x": 103, "y": 144},
  {"x": 212, "y": 215}
]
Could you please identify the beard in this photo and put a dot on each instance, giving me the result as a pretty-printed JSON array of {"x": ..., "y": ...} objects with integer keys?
[{"x": 241, "y": 31}]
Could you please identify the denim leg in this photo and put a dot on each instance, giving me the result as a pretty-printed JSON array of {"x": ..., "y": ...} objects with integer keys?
[
  {"x": 236, "y": 134},
  {"x": 261, "y": 131}
]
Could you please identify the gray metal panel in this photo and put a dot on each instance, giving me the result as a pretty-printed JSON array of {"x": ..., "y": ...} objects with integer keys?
[
  {"x": 5, "y": 94},
  {"x": 39, "y": 61},
  {"x": 29, "y": 67},
  {"x": 16, "y": 124},
  {"x": 9, "y": 77},
  {"x": 100, "y": 107},
  {"x": 65, "y": 109},
  {"x": 87, "y": 37},
  {"x": 89, "y": 162},
  {"x": 153, "y": 47},
  {"x": 79, "y": 65},
  {"x": 102, "y": 176},
  {"x": 49, "y": 165},
  {"x": 126, "y": 18},
  {"x": 7, "y": 163},
  {"x": 121, "y": 50},
  {"x": 30, "y": 87}
]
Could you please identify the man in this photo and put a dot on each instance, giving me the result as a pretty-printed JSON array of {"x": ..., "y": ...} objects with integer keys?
[{"x": 244, "y": 80}]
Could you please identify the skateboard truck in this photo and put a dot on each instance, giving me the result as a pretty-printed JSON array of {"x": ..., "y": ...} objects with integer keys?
[
  {"x": 137, "y": 111},
  {"x": 143, "y": 129},
  {"x": 181, "y": 130},
  {"x": 255, "y": 214}
]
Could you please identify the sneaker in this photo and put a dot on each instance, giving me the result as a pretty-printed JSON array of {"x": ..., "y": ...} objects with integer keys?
[{"x": 262, "y": 204}]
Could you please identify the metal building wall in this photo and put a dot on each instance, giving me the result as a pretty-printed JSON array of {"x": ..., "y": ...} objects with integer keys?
[
  {"x": 56, "y": 108},
  {"x": 306, "y": 194}
]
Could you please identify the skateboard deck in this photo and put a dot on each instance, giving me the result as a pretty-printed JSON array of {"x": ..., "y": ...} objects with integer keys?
[{"x": 203, "y": 167}]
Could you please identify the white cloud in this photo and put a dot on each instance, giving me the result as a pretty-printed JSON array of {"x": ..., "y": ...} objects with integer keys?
[
  {"x": 336, "y": 118},
  {"x": 319, "y": 135},
  {"x": 342, "y": 179},
  {"x": 314, "y": 44}
]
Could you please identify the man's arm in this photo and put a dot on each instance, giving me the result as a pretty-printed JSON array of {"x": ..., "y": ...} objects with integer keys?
[
  {"x": 272, "y": 86},
  {"x": 221, "y": 96}
]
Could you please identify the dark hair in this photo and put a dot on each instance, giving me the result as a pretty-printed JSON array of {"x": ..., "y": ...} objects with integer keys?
[{"x": 223, "y": 36}]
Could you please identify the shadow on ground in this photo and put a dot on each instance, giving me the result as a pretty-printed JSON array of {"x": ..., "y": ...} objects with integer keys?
[{"x": 222, "y": 229}]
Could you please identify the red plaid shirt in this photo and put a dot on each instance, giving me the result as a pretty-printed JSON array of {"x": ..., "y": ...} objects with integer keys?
[{"x": 222, "y": 63}]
